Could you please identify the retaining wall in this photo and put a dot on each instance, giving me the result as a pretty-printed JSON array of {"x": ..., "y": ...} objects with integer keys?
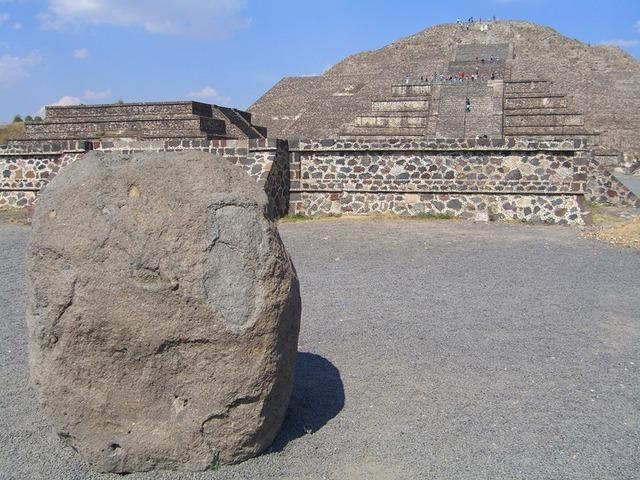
[
  {"x": 28, "y": 169},
  {"x": 534, "y": 181},
  {"x": 514, "y": 179}
]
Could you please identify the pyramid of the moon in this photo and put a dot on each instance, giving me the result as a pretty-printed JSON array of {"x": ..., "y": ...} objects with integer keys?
[{"x": 528, "y": 81}]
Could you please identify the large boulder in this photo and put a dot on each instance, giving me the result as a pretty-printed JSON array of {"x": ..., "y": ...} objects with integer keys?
[{"x": 163, "y": 312}]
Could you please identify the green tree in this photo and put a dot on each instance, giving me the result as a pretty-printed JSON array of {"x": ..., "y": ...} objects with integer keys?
[
  {"x": 17, "y": 119},
  {"x": 38, "y": 119},
  {"x": 28, "y": 118}
]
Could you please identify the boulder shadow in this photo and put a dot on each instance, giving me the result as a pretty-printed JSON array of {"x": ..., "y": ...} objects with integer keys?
[{"x": 317, "y": 397}]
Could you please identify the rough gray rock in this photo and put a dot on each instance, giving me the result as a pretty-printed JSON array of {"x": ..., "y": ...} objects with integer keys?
[{"x": 163, "y": 312}]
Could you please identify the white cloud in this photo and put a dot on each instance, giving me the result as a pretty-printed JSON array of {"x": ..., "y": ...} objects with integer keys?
[
  {"x": 81, "y": 54},
  {"x": 66, "y": 101},
  {"x": 208, "y": 93},
  {"x": 187, "y": 17},
  {"x": 13, "y": 69},
  {"x": 622, "y": 43},
  {"x": 97, "y": 95},
  {"x": 62, "y": 102}
]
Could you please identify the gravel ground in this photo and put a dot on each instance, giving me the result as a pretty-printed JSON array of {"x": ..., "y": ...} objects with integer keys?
[{"x": 442, "y": 350}]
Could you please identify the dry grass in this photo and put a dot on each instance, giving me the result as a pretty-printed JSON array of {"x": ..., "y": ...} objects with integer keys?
[
  {"x": 625, "y": 234},
  {"x": 602, "y": 216},
  {"x": 374, "y": 216},
  {"x": 15, "y": 216},
  {"x": 11, "y": 131}
]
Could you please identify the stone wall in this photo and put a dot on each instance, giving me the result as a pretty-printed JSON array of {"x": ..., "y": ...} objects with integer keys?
[
  {"x": 27, "y": 169},
  {"x": 516, "y": 179},
  {"x": 605, "y": 189},
  {"x": 560, "y": 209}
]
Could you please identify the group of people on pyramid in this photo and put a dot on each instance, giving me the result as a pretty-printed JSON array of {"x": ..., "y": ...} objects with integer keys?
[
  {"x": 459, "y": 77},
  {"x": 466, "y": 25}
]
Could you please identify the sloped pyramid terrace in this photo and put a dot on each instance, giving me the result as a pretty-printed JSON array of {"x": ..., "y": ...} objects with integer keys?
[{"x": 552, "y": 87}]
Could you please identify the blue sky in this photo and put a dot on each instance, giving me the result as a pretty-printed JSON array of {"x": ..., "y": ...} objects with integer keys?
[{"x": 232, "y": 51}]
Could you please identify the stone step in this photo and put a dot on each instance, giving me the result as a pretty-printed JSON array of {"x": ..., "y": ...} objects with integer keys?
[
  {"x": 117, "y": 118},
  {"x": 411, "y": 90},
  {"x": 405, "y": 105},
  {"x": 515, "y": 112},
  {"x": 543, "y": 120},
  {"x": 163, "y": 109},
  {"x": 535, "y": 102},
  {"x": 237, "y": 123},
  {"x": 99, "y": 129},
  {"x": 523, "y": 131},
  {"x": 476, "y": 125},
  {"x": 244, "y": 114},
  {"x": 469, "y": 51},
  {"x": 535, "y": 95},
  {"x": 485, "y": 70},
  {"x": 450, "y": 126},
  {"x": 590, "y": 139},
  {"x": 394, "y": 121},
  {"x": 159, "y": 135},
  {"x": 353, "y": 130},
  {"x": 526, "y": 86}
]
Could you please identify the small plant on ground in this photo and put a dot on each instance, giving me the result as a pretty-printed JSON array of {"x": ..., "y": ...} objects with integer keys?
[
  {"x": 294, "y": 217},
  {"x": 434, "y": 216},
  {"x": 601, "y": 215}
]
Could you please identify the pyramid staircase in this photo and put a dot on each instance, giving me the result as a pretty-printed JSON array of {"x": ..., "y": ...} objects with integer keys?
[{"x": 500, "y": 107}]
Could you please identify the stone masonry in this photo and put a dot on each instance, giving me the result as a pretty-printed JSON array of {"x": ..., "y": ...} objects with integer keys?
[
  {"x": 601, "y": 82},
  {"x": 28, "y": 168},
  {"x": 142, "y": 121},
  {"x": 534, "y": 181}
]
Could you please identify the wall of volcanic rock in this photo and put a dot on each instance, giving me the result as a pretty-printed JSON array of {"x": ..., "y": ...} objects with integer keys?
[
  {"x": 534, "y": 181},
  {"x": 513, "y": 179},
  {"x": 26, "y": 169}
]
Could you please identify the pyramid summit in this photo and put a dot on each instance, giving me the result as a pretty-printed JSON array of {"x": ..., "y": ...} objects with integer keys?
[{"x": 544, "y": 85}]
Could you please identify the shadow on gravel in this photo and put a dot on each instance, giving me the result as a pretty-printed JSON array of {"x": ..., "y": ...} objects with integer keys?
[{"x": 318, "y": 396}]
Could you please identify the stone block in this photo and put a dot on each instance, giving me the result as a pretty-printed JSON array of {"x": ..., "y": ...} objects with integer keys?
[{"x": 162, "y": 326}]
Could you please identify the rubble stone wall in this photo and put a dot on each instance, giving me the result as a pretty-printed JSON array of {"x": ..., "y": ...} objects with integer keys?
[
  {"x": 516, "y": 179},
  {"x": 535, "y": 181},
  {"x": 28, "y": 169},
  {"x": 24, "y": 171},
  {"x": 605, "y": 189}
]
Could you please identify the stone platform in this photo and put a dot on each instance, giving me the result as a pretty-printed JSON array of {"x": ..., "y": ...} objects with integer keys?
[
  {"x": 525, "y": 180},
  {"x": 142, "y": 121}
]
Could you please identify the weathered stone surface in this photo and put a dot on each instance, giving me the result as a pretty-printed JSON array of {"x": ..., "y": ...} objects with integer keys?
[
  {"x": 163, "y": 312},
  {"x": 599, "y": 81}
]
